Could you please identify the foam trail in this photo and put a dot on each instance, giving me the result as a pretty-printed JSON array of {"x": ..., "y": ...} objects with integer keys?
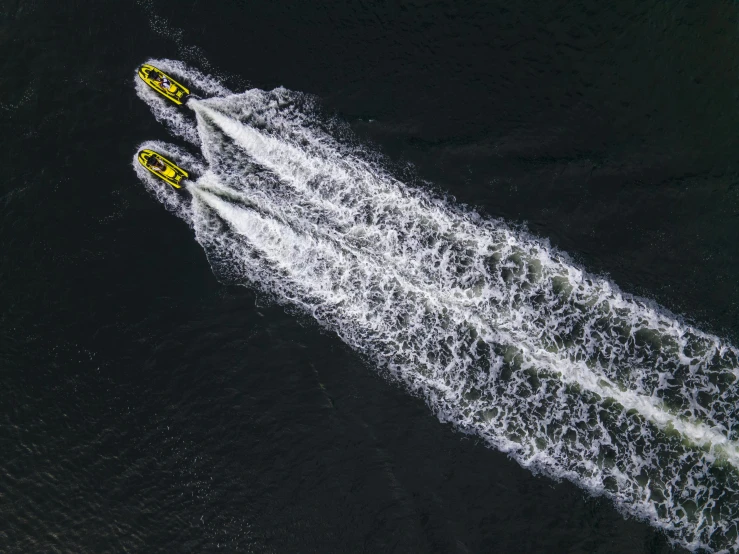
[
  {"x": 295, "y": 166},
  {"x": 500, "y": 333}
]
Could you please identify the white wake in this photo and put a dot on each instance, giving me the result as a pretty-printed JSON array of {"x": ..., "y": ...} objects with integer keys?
[{"x": 500, "y": 333}]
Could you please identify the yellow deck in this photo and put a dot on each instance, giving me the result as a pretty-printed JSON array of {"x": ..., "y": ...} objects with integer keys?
[
  {"x": 176, "y": 92},
  {"x": 171, "y": 174}
]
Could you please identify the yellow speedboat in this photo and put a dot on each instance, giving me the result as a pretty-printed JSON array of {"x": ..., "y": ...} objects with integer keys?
[
  {"x": 164, "y": 84},
  {"x": 163, "y": 168}
]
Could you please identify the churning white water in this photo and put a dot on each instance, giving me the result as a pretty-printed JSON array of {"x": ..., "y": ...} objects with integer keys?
[{"x": 502, "y": 335}]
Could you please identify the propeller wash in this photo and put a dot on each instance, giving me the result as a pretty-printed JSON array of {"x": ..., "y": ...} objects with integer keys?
[{"x": 502, "y": 335}]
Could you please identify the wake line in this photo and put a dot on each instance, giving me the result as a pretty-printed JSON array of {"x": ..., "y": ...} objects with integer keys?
[
  {"x": 292, "y": 165},
  {"x": 574, "y": 374},
  {"x": 265, "y": 150},
  {"x": 500, "y": 333}
]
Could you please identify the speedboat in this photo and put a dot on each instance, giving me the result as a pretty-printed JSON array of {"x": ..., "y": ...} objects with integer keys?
[
  {"x": 164, "y": 84},
  {"x": 163, "y": 168}
]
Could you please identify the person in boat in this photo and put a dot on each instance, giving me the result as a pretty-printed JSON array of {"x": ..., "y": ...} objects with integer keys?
[
  {"x": 160, "y": 79},
  {"x": 163, "y": 82},
  {"x": 156, "y": 164}
]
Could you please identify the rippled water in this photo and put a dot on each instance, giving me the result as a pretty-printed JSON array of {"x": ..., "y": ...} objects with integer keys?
[{"x": 150, "y": 405}]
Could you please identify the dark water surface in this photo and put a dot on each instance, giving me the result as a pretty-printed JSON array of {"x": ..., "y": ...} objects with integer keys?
[{"x": 147, "y": 408}]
